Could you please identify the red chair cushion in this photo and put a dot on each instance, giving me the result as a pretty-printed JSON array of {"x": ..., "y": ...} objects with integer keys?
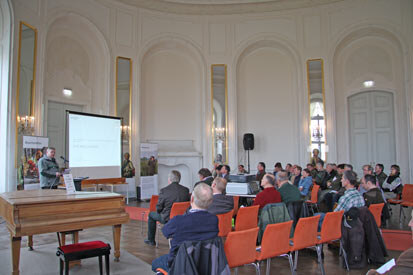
[{"x": 78, "y": 247}]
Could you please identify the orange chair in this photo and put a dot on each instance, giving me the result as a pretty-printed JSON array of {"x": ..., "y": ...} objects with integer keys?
[
  {"x": 247, "y": 218},
  {"x": 275, "y": 242},
  {"x": 405, "y": 201},
  {"x": 305, "y": 235},
  {"x": 178, "y": 208},
  {"x": 314, "y": 198},
  {"x": 236, "y": 205},
  {"x": 376, "y": 210},
  {"x": 240, "y": 248},
  {"x": 331, "y": 231},
  {"x": 225, "y": 223},
  {"x": 152, "y": 208}
]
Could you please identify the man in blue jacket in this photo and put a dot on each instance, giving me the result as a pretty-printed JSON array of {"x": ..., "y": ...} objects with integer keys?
[{"x": 196, "y": 225}]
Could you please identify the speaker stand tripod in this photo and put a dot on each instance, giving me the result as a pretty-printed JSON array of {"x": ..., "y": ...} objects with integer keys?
[{"x": 248, "y": 161}]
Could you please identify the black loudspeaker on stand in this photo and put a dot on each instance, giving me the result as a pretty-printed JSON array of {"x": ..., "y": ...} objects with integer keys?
[{"x": 248, "y": 145}]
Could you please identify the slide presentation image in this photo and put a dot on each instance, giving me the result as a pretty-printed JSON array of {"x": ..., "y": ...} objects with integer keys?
[{"x": 94, "y": 141}]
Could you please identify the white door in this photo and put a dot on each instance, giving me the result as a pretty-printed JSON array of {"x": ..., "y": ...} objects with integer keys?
[
  {"x": 372, "y": 131},
  {"x": 56, "y": 127}
]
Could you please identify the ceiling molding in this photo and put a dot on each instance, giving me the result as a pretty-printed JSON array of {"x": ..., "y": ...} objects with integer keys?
[{"x": 224, "y": 7}]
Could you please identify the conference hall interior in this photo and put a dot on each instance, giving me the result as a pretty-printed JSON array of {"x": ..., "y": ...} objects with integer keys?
[{"x": 123, "y": 122}]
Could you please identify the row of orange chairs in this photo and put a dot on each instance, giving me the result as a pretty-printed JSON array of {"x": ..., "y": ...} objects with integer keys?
[{"x": 240, "y": 246}]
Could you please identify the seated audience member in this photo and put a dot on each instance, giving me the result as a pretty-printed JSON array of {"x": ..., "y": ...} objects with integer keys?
[
  {"x": 277, "y": 168},
  {"x": 220, "y": 202},
  {"x": 241, "y": 170},
  {"x": 205, "y": 176},
  {"x": 373, "y": 194},
  {"x": 296, "y": 177},
  {"x": 404, "y": 264},
  {"x": 174, "y": 192},
  {"x": 288, "y": 191},
  {"x": 217, "y": 171},
  {"x": 269, "y": 194},
  {"x": 288, "y": 169},
  {"x": 335, "y": 182},
  {"x": 393, "y": 184},
  {"x": 225, "y": 172},
  {"x": 348, "y": 167},
  {"x": 321, "y": 176},
  {"x": 196, "y": 225},
  {"x": 367, "y": 170},
  {"x": 305, "y": 183},
  {"x": 336, "y": 190},
  {"x": 331, "y": 170},
  {"x": 351, "y": 197},
  {"x": 312, "y": 170},
  {"x": 260, "y": 171},
  {"x": 316, "y": 158},
  {"x": 380, "y": 175}
]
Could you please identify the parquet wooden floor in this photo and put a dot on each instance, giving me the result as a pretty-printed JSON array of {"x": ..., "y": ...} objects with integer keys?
[{"x": 132, "y": 241}]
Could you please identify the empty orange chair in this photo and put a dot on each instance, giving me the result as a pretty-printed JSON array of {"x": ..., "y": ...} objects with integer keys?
[
  {"x": 314, "y": 198},
  {"x": 240, "y": 248},
  {"x": 247, "y": 218},
  {"x": 225, "y": 223},
  {"x": 178, "y": 208},
  {"x": 305, "y": 235},
  {"x": 275, "y": 242},
  {"x": 406, "y": 199},
  {"x": 152, "y": 208},
  {"x": 331, "y": 231},
  {"x": 236, "y": 205},
  {"x": 376, "y": 210}
]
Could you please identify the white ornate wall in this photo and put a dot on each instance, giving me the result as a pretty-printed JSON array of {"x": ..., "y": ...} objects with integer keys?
[{"x": 266, "y": 55}]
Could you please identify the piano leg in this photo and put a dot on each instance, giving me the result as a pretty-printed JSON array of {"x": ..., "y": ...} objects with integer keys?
[
  {"x": 30, "y": 242},
  {"x": 116, "y": 240},
  {"x": 15, "y": 253}
]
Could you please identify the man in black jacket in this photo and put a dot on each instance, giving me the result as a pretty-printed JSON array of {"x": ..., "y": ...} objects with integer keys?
[
  {"x": 220, "y": 203},
  {"x": 174, "y": 192},
  {"x": 205, "y": 176}
]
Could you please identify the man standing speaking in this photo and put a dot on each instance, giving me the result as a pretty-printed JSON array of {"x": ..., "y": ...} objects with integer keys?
[{"x": 49, "y": 170}]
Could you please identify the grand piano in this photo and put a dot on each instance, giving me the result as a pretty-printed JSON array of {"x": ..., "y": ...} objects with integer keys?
[{"x": 32, "y": 212}]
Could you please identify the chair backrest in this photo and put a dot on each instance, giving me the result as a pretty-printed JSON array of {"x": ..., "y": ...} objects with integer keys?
[
  {"x": 236, "y": 205},
  {"x": 305, "y": 234},
  {"x": 240, "y": 247},
  {"x": 153, "y": 202},
  {"x": 225, "y": 223},
  {"x": 407, "y": 193},
  {"x": 331, "y": 227},
  {"x": 376, "y": 210},
  {"x": 179, "y": 208},
  {"x": 314, "y": 193},
  {"x": 276, "y": 240},
  {"x": 247, "y": 218}
]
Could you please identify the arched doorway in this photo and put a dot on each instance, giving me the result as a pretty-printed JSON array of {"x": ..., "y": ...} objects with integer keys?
[{"x": 372, "y": 129}]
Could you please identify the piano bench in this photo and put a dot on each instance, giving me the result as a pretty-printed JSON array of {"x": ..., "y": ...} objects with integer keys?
[{"x": 78, "y": 251}]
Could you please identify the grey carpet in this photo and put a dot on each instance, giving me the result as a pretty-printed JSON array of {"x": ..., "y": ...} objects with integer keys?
[{"x": 43, "y": 261}]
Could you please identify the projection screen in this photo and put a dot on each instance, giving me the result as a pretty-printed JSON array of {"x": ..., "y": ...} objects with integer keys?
[{"x": 93, "y": 145}]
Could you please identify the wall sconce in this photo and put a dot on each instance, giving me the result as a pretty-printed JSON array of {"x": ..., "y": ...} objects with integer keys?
[
  {"x": 220, "y": 134},
  {"x": 25, "y": 125},
  {"x": 125, "y": 132}
]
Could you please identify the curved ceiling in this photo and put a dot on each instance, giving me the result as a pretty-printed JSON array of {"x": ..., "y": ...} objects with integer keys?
[{"x": 221, "y": 7}]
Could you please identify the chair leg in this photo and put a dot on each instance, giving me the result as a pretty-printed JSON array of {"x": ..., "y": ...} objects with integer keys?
[
  {"x": 267, "y": 272},
  {"x": 66, "y": 267},
  {"x": 344, "y": 255},
  {"x": 61, "y": 266},
  {"x": 257, "y": 268},
  {"x": 236, "y": 271},
  {"x": 290, "y": 260},
  {"x": 100, "y": 265},
  {"x": 320, "y": 260},
  {"x": 158, "y": 230},
  {"x": 143, "y": 216},
  {"x": 107, "y": 264},
  {"x": 295, "y": 260}
]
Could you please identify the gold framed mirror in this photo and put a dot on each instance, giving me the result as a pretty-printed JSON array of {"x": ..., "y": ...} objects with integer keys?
[
  {"x": 219, "y": 108},
  {"x": 123, "y": 99},
  {"x": 25, "y": 93},
  {"x": 316, "y": 104}
]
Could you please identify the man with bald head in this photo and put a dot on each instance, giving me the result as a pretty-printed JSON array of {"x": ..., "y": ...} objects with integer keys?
[{"x": 196, "y": 225}]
